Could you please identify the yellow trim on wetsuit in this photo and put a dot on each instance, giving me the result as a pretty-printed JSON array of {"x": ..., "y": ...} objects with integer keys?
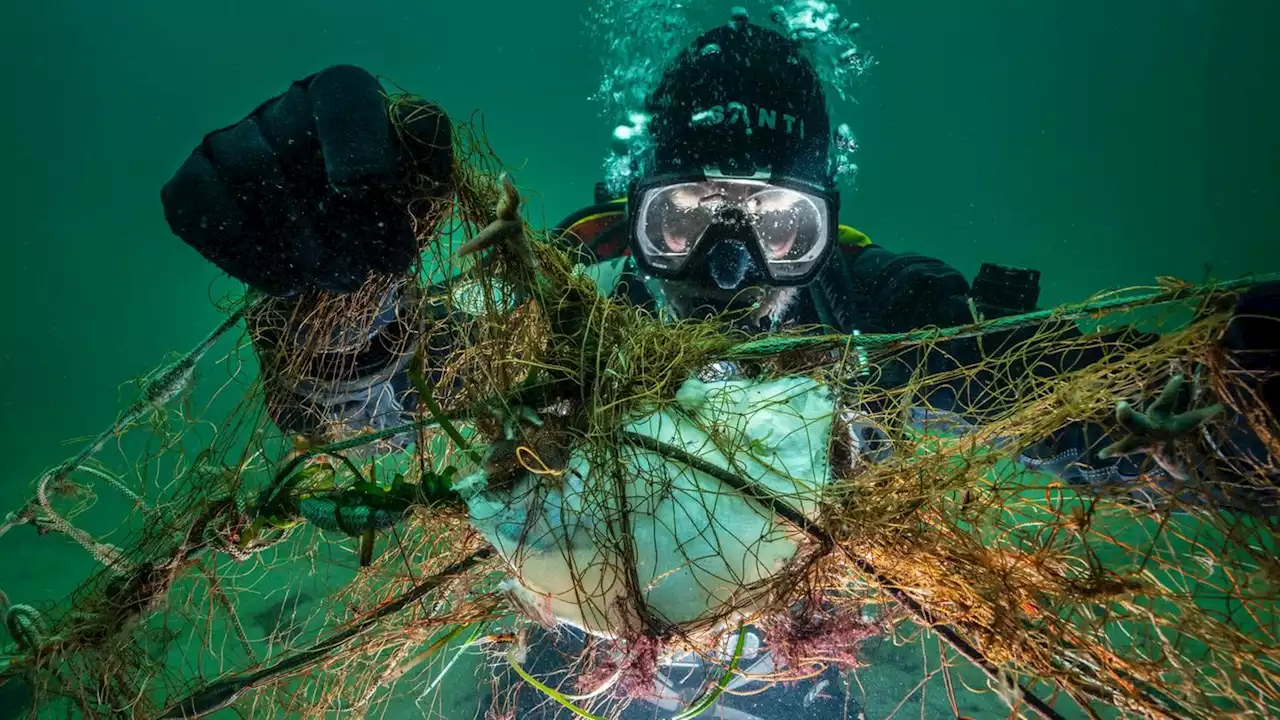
[
  {"x": 597, "y": 216},
  {"x": 852, "y": 236}
]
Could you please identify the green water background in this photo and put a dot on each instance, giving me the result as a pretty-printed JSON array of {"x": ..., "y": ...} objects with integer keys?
[{"x": 1102, "y": 142}]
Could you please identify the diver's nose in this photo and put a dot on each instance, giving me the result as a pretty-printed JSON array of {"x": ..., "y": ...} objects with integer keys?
[
  {"x": 731, "y": 216},
  {"x": 728, "y": 261}
]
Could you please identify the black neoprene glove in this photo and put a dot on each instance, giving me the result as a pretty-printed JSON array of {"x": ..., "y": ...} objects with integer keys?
[
  {"x": 311, "y": 190},
  {"x": 905, "y": 291},
  {"x": 1252, "y": 342}
]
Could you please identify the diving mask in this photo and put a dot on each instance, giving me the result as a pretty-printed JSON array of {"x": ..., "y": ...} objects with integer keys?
[{"x": 734, "y": 229}]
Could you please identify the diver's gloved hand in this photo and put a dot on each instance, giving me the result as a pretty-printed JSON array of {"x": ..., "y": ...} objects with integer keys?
[
  {"x": 904, "y": 291},
  {"x": 1252, "y": 342},
  {"x": 311, "y": 190}
]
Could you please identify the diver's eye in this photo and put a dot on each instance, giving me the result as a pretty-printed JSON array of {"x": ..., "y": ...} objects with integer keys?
[
  {"x": 685, "y": 198},
  {"x": 773, "y": 202},
  {"x": 712, "y": 201}
]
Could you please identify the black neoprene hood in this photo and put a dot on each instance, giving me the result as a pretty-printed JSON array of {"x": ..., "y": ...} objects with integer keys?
[{"x": 740, "y": 100}]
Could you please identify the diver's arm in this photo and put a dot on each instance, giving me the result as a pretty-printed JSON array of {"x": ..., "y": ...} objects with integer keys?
[
  {"x": 1226, "y": 465},
  {"x": 900, "y": 292},
  {"x": 910, "y": 292},
  {"x": 327, "y": 396},
  {"x": 874, "y": 290},
  {"x": 310, "y": 195}
]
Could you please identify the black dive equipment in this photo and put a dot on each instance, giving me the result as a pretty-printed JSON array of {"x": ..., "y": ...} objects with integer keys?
[{"x": 732, "y": 230}]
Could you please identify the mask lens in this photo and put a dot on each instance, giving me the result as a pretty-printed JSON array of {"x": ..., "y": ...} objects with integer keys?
[
  {"x": 672, "y": 221},
  {"x": 791, "y": 228}
]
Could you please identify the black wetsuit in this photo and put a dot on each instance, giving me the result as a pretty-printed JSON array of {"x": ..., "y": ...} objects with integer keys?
[{"x": 310, "y": 191}]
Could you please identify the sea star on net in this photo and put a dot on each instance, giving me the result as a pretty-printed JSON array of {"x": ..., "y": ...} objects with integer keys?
[
  {"x": 1157, "y": 430},
  {"x": 507, "y": 229}
]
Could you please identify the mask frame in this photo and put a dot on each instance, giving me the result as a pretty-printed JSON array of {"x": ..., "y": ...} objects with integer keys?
[{"x": 717, "y": 232}]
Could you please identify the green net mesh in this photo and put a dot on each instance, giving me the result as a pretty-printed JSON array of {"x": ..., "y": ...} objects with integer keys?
[{"x": 328, "y": 574}]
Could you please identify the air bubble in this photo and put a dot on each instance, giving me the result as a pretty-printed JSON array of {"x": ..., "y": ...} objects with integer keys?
[{"x": 827, "y": 39}]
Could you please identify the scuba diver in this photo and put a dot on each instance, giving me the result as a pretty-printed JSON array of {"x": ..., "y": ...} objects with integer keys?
[{"x": 732, "y": 208}]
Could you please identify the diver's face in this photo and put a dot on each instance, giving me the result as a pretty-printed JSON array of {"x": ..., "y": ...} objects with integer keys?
[
  {"x": 752, "y": 308},
  {"x": 689, "y": 295},
  {"x": 726, "y": 242},
  {"x": 726, "y": 279}
]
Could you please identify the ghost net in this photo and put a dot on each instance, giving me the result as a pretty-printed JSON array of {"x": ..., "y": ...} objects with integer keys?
[{"x": 569, "y": 460}]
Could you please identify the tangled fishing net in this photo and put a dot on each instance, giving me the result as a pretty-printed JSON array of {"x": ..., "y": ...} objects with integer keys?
[{"x": 569, "y": 460}]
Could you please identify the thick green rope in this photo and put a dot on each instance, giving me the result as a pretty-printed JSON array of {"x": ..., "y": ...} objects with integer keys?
[{"x": 768, "y": 346}]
